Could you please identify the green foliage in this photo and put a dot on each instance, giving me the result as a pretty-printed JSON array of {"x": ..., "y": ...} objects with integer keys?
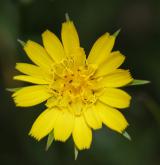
[
  {"x": 75, "y": 152},
  {"x": 49, "y": 140},
  {"x": 13, "y": 89},
  {"x": 127, "y": 136},
  {"x": 139, "y": 82}
]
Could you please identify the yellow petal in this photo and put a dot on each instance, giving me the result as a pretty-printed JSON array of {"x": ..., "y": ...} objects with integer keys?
[
  {"x": 101, "y": 49},
  {"x": 115, "y": 98},
  {"x": 79, "y": 57},
  {"x": 92, "y": 118},
  {"x": 76, "y": 107},
  {"x": 70, "y": 37},
  {"x": 114, "y": 60},
  {"x": 44, "y": 124},
  {"x": 32, "y": 95},
  {"x": 111, "y": 117},
  {"x": 64, "y": 126},
  {"x": 30, "y": 79},
  {"x": 82, "y": 134},
  {"x": 34, "y": 71},
  {"x": 97, "y": 115},
  {"x": 38, "y": 55},
  {"x": 52, "y": 102},
  {"x": 118, "y": 78},
  {"x": 29, "y": 69},
  {"x": 53, "y": 46}
]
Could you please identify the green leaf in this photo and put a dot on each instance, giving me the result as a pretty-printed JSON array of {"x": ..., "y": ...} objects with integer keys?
[
  {"x": 49, "y": 140},
  {"x": 127, "y": 136},
  {"x": 13, "y": 89},
  {"x": 75, "y": 152},
  {"x": 139, "y": 82}
]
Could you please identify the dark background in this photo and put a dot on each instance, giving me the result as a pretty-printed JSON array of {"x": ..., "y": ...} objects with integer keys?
[{"x": 139, "y": 40}]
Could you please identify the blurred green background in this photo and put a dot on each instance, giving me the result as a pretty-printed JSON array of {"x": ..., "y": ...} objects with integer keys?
[{"x": 139, "y": 40}]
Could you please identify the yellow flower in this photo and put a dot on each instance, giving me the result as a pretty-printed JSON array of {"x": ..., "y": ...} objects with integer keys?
[{"x": 81, "y": 93}]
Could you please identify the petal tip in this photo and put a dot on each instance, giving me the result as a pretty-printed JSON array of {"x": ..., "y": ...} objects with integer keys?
[
  {"x": 46, "y": 32},
  {"x": 34, "y": 136}
]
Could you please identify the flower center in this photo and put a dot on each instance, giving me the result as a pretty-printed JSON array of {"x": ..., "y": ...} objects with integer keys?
[{"x": 72, "y": 87}]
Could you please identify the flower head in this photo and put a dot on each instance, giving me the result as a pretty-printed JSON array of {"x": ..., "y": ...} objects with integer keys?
[{"x": 80, "y": 92}]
